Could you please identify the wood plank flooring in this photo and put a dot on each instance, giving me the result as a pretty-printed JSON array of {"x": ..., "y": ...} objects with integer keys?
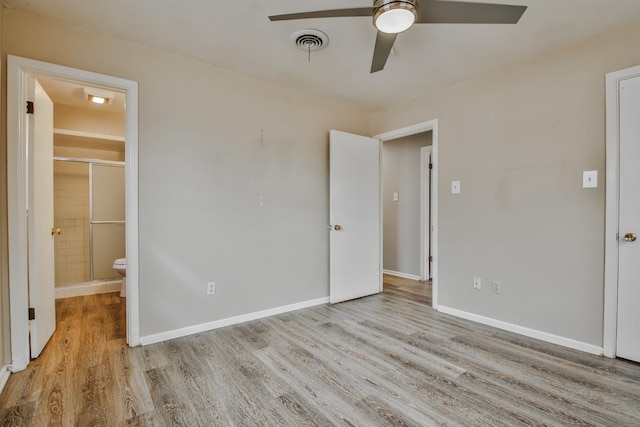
[{"x": 388, "y": 359}]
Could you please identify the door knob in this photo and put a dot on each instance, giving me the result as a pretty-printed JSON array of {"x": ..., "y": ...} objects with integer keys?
[
  {"x": 337, "y": 227},
  {"x": 55, "y": 231},
  {"x": 630, "y": 237}
]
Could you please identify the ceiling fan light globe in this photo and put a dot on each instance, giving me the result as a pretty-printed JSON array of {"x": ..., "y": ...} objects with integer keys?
[{"x": 395, "y": 17}]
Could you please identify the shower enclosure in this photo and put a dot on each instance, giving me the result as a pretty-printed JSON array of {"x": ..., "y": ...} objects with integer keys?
[{"x": 89, "y": 199}]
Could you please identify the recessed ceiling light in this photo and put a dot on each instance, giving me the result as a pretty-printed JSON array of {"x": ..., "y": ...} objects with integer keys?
[
  {"x": 98, "y": 96},
  {"x": 97, "y": 99}
]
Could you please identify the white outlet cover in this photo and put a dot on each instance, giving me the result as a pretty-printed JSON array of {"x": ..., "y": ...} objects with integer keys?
[
  {"x": 455, "y": 187},
  {"x": 590, "y": 179},
  {"x": 211, "y": 288},
  {"x": 496, "y": 288}
]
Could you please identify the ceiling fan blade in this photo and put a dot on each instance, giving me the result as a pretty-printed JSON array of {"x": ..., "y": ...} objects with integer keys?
[
  {"x": 455, "y": 12},
  {"x": 333, "y": 13},
  {"x": 384, "y": 43}
]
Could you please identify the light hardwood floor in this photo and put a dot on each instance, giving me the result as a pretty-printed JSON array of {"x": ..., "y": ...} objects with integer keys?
[{"x": 387, "y": 359}]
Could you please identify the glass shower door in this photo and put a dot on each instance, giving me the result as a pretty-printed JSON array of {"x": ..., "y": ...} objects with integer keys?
[{"x": 107, "y": 217}]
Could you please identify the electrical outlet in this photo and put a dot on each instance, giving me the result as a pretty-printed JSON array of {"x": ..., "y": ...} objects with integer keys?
[
  {"x": 477, "y": 283},
  {"x": 496, "y": 289},
  {"x": 211, "y": 288}
]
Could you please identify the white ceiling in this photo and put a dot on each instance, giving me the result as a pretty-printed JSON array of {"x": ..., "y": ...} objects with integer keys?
[{"x": 237, "y": 35}]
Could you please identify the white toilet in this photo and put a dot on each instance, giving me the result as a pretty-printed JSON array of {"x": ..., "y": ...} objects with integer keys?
[{"x": 120, "y": 265}]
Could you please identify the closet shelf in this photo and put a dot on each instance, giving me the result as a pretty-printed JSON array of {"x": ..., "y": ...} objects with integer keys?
[{"x": 88, "y": 135}]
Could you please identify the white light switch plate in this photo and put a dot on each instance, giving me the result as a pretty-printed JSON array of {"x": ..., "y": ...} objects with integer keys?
[
  {"x": 395, "y": 197},
  {"x": 590, "y": 179},
  {"x": 455, "y": 187}
]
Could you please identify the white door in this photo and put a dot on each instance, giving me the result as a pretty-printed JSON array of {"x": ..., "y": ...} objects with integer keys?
[
  {"x": 628, "y": 331},
  {"x": 354, "y": 216},
  {"x": 40, "y": 206}
]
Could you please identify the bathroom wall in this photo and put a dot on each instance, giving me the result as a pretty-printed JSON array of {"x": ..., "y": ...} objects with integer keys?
[
  {"x": 71, "y": 215},
  {"x": 401, "y": 227},
  {"x": 71, "y": 185}
]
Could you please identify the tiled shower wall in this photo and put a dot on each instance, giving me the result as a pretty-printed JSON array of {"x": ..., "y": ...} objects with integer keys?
[{"x": 71, "y": 214}]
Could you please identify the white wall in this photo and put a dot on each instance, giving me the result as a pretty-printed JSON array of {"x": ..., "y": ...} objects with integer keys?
[
  {"x": 401, "y": 229},
  {"x": 518, "y": 139},
  {"x": 233, "y": 176}
]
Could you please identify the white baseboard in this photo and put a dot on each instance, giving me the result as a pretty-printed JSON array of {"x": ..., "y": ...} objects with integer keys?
[
  {"x": 4, "y": 376},
  {"x": 531, "y": 333},
  {"x": 190, "y": 330},
  {"x": 88, "y": 289},
  {"x": 403, "y": 275}
]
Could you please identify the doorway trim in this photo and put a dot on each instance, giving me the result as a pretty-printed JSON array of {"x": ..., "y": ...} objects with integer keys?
[
  {"x": 425, "y": 211},
  {"x": 18, "y": 71},
  {"x": 612, "y": 206},
  {"x": 431, "y": 125}
]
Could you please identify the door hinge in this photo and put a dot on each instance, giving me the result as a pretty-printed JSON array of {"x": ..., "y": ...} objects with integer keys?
[
  {"x": 29, "y": 107},
  {"x": 32, "y": 313},
  {"x": 430, "y": 165},
  {"x": 430, "y": 259}
]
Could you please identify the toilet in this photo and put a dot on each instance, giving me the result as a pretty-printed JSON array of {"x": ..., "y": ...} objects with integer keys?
[{"x": 120, "y": 265}]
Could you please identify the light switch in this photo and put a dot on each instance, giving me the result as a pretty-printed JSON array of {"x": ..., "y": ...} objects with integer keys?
[
  {"x": 395, "y": 197},
  {"x": 590, "y": 179},
  {"x": 455, "y": 187}
]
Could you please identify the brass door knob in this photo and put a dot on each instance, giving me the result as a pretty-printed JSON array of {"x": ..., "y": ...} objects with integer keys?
[
  {"x": 337, "y": 227},
  {"x": 630, "y": 237},
  {"x": 55, "y": 231}
]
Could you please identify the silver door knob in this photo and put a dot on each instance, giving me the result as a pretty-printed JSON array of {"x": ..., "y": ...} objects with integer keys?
[{"x": 630, "y": 237}]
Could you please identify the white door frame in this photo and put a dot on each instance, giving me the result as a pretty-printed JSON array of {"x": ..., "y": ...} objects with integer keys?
[
  {"x": 611, "y": 210},
  {"x": 425, "y": 220},
  {"x": 18, "y": 71},
  {"x": 431, "y": 125}
]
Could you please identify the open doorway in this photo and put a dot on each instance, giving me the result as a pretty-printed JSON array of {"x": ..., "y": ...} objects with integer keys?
[
  {"x": 409, "y": 230},
  {"x": 88, "y": 188},
  {"x": 407, "y": 217},
  {"x": 22, "y": 73},
  {"x": 406, "y": 209}
]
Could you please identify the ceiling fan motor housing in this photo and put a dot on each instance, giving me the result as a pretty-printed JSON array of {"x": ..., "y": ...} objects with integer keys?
[{"x": 394, "y": 16}]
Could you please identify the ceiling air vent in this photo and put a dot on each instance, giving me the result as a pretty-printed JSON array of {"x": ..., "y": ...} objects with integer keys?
[{"x": 310, "y": 40}]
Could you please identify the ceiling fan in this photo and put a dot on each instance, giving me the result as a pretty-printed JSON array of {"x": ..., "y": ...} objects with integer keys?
[{"x": 391, "y": 17}]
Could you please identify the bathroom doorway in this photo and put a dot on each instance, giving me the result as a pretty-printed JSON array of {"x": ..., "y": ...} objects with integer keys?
[
  {"x": 20, "y": 72},
  {"x": 88, "y": 189}
]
